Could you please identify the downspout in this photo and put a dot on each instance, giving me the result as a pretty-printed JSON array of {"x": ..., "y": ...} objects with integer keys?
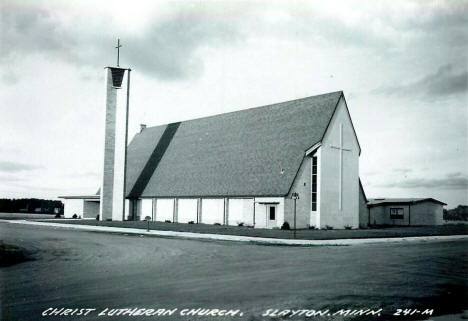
[
  {"x": 368, "y": 215},
  {"x": 254, "y": 214},
  {"x": 409, "y": 214}
]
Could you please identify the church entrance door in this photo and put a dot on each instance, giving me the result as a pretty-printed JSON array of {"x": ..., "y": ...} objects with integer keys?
[{"x": 271, "y": 215}]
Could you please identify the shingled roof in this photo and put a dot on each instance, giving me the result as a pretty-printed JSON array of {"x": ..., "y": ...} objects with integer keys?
[{"x": 252, "y": 152}]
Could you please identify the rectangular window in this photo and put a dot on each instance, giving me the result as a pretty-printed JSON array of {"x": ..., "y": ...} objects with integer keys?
[
  {"x": 272, "y": 213},
  {"x": 396, "y": 213},
  {"x": 314, "y": 183}
]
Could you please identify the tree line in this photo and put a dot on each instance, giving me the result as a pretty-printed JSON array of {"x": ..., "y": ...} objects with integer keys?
[
  {"x": 30, "y": 205},
  {"x": 459, "y": 213}
]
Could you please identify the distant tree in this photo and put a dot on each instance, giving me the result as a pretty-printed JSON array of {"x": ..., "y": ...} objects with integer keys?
[
  {"x": 29, "y": 205},
  {"x": 460, "y": 213}
]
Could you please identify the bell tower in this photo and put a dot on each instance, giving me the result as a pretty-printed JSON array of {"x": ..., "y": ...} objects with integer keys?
[{"x": 112, "y": 197}]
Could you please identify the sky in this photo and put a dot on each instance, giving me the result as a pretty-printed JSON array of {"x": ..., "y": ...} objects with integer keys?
[{"x": 402, "y": 65}]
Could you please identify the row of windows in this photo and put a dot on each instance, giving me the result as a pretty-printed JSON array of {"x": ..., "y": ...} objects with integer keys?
[
  {"x": 396, "y": 213},
  {"x": 314, "y": 183}
]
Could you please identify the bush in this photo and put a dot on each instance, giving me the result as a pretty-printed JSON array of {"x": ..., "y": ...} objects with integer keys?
[
  {"x": 217, "y": 224},
  {"x": 311, "y": 227},
  {"x": 285, "y": 226},
  {"x": 191, "y": 222},
  {"x": 240, "y": 224},
  {"x": 75, "y": 216},
  {"x": 348, "y": 227},
  {"x": 168, "y": 221},
  {"x": 328, "y": 227}
]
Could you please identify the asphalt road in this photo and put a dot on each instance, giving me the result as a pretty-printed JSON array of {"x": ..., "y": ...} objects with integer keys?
[{"x": 76, "y": 269}]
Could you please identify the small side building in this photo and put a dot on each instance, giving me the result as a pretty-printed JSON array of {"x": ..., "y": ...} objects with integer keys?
[
  {"x": 405, "y": 211},
  {"x": 83, "y": 206}
]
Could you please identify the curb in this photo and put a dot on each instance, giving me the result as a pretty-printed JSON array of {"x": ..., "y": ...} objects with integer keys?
[{"x": 246, "y": 239}]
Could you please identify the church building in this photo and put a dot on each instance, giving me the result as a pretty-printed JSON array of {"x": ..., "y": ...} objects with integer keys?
[
  {"x": 294, "y": 162},
  {"x": 242, "y": 168}
]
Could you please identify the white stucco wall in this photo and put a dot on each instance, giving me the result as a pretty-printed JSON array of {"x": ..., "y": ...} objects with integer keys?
[
  {"x": 241, "y": 210},
  {"x": 261, "y": 215},
  {"x": 212, "y": 210},
  {"x": 90, "y": 209},
  {"x": 303, "y": 186},
  {"x": 164, "y": 209},
  {"x": 73, "y": 206},
  {"x": 330, "y": 213},
  {"x": 187, "y": 210},
  {"x": 146, "y": 208}
]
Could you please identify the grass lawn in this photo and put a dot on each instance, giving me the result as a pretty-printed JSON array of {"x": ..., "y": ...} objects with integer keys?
[{"x": 283, "y": 234}]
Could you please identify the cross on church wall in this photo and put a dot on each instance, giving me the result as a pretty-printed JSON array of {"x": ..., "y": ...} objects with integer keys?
[{"x": 340, "y": 148}]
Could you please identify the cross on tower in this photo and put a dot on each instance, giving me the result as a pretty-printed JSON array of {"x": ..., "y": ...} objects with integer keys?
[
  {"x": 118, "y": 51},
  {"x": 341, "y": 149}
]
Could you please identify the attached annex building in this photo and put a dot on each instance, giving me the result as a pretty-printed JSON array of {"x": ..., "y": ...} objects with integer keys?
[{"x": 242, "y": 168}]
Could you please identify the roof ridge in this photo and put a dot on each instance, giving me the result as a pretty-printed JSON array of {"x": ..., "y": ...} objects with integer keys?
[{"x": 249, "y": 108}]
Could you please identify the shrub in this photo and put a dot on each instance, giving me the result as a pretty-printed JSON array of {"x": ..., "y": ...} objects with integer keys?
[
  {"x": 328, "y": 227},
  {"x": 311, "y": 227},
  {"x": 285, "y": 226},
  {"x": 240, "y": 224},
  {"x": 191, "y": 222},
  {"x": 75, "y": 216},
  {"x": 217, "y": 223},
  {"x": 348, "y": 227},
  {"x": 168, "y": 221}
]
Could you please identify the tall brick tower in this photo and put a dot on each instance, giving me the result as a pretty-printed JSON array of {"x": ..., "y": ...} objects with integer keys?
[{"x": 112, "y": 198}]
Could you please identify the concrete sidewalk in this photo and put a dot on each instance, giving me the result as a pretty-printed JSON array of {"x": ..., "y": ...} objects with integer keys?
[{"x": 235, "y": 238}]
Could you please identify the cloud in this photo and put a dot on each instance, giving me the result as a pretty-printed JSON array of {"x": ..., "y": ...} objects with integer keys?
[
  {"x": 10, "y": 178},
  {"x": 446, "y": 81},
  {"x": 452, "y": 181},
  {"x": 30, "y": 30},
  {"x": 166, "y": 49},
  {"x": 403, "y": 171},
  {"x": 13, "y": 167}
]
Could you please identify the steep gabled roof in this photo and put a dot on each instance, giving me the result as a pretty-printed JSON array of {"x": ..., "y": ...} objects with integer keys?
[{"x": 253, "y": 152}]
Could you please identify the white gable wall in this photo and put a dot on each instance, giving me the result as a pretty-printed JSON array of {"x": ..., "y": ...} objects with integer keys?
[
  {"x": 330, "y": 213},
  {"x": 302, "y": 185}
]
